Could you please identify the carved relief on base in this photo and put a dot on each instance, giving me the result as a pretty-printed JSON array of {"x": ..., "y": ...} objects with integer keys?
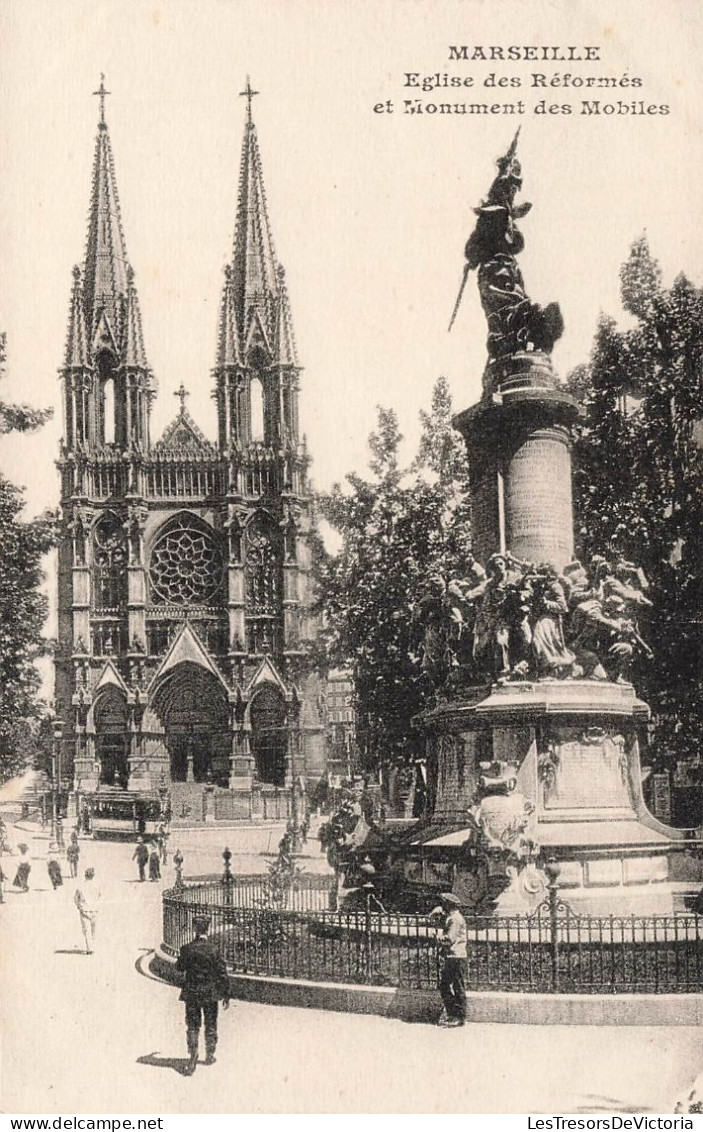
[{"x": 584, "y": 768}]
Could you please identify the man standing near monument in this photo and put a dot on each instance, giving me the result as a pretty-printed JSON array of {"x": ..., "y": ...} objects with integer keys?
[
  {"x": 205, "y": 982},
  {"x": 452, "y": 983}
]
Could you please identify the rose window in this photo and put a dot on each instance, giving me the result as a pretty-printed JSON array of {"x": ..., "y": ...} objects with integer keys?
[{"x": 186, "y": 566}]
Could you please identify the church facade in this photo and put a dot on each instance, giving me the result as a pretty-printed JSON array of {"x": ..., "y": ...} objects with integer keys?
[{"x": 185, "y": 590}]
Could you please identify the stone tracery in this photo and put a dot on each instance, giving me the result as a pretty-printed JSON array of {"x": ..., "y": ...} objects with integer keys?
[{"x": 186, "y": 564}]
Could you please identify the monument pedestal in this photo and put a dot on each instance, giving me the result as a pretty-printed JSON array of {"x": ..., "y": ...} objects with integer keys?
[{"x": 575, "y": 753}]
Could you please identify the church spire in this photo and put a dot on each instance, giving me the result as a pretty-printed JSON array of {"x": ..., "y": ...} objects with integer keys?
[
  {"x": 105, "y": 270},
  {"x": 255, "y": 330},
  {"x": 254, "y": 257},
  {"x": 107, "y": 334}
]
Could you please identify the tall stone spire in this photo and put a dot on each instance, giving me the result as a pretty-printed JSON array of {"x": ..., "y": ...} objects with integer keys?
[
  {"x": 108, "y": 337},
  {"x": 254, "y": 258},
  {"x": 255, "y": 334},
  {"x": 105, "y": 268}
]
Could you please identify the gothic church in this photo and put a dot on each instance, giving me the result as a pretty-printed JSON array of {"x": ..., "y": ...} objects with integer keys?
[{"x": 185, "y": 593}]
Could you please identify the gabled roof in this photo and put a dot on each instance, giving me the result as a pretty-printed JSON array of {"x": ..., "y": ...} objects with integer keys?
[
  {"x": 266, "y": 673},
  {"x": 104, "y": 336},
  {"x": 182, "y": 435},
  {"x": 186, "y": 649},
  {"x": 110, "y": 677},
  {"x": 257, "y": 336}
]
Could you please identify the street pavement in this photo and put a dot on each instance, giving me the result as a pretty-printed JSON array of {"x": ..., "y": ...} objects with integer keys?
[{"x": 98, "y": 1034}]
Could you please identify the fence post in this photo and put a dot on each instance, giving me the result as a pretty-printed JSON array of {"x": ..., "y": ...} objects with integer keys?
[
  {"x": 552, "y": 870},
  {"x": 178, "y": 866},
  {"x": 368, "y": 892},
  {"x": 227, "y": 878}
]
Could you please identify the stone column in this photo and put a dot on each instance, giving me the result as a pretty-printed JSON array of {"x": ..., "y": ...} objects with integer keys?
[{"x": 519, "y": 451}]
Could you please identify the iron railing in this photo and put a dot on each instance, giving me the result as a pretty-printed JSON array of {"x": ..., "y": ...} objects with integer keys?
[
  {"x": 309, "y": 893},
  {"x": 554, "y": 950}
]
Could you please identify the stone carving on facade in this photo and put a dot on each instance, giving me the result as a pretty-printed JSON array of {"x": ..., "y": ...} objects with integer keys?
[
  {"x": 290, "y": 525},
  {"x": 547, "y": 766},
  {"x": 109, "y": 562},
  {"x": 137, "y": 662},
  {"x": 235, "y": 520},
  {"x": 515, "y": 323},
  {"x": 79, "y": 525},
  {"x": 135, "y": 524},
  {"x": 81, "y": 665},
  {"x": 502, "y": 814}
]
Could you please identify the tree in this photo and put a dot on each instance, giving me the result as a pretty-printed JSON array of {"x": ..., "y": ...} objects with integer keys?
[
  {"x": 23, "y": 607},
  {"x": 397, "y": 527},
  {"x": 639, "y": 479}
]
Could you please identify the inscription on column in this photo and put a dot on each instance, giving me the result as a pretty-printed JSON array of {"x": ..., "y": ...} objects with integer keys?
[{"x": 538, "y": 505}]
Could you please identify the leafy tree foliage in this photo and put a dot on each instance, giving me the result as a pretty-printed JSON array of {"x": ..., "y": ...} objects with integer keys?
[
  {"x": 22, "y": 606},
  {"x": 397, "y": 527},
  {"x": 639, "y": 479}
]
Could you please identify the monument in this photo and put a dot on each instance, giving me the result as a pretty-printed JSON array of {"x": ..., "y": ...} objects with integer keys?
[{"x": 532, "y": 744}]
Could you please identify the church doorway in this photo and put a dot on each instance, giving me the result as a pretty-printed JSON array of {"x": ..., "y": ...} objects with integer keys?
[
  {"x": 111, "y": 735},
  {"x": 269, "y": 737},
  {"x": 193, "y": 710}
]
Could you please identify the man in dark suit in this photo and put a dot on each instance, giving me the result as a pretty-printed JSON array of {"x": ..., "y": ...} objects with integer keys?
[{"x": 205, "y": 982}]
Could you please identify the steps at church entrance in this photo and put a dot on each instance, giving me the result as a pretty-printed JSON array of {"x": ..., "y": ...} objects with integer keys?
[{"x": 194, "y": 803}]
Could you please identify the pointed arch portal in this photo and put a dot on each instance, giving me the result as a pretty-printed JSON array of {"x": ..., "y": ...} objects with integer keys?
[
  {"x": 193, "y": 711},
  {"x": 269, "y": 736},
  {"x": 111, "y": 737}
]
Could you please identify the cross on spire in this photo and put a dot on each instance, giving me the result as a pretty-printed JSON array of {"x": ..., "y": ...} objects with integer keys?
[
  {"x": 248, "y": 93},
  {"x": 101, "y": 93},
  {"x": 182, "y": 393}
]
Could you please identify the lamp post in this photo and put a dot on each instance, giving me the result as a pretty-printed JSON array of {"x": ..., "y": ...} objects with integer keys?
[{"x": 56, "y": 823}]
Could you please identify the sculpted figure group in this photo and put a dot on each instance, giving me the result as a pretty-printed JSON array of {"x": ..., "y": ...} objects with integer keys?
[
  {"x": 514, "y": 321},
  {"x": 516, "y": 620}
]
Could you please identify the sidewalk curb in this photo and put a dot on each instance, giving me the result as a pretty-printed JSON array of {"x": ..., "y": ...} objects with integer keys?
[{"x": 484, "y": 1006}]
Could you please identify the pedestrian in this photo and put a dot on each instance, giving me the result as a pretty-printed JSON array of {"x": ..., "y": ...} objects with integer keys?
[
  {"x": 87, "y": 899},
  {"x": 73, "y": 853},
  {"x": 452, "y": 983},
  {"x": 142, "y": 856},
  {"x": 24, "y": 868},
  {"x": 162, "y": 841},
  {"x": 54, "y": 870},
  {"x": 154, "y": 864},
  {"x": 205, "y": 983}
]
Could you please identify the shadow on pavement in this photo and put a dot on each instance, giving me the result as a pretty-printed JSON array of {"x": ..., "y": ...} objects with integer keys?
[{"x": 179, "y": 1064}]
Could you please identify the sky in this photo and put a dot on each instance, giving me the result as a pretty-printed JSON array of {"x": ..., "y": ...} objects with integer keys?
[{"x": 370, "y": 211}]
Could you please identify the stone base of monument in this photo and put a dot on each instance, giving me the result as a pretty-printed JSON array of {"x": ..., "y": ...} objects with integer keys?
[{"x": 575, "y": 796}]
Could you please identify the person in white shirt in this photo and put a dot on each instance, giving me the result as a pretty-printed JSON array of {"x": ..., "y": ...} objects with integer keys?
[
  {"x": 87, "y": 899},
  {"x": 452, "y": 983}
]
